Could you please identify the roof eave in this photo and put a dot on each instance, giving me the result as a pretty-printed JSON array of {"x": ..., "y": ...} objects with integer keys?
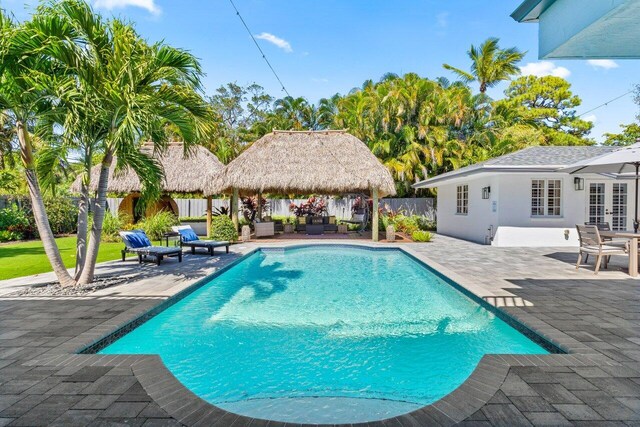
[
  {"x": 437, "y": 180},
  {"x": 530, "y": 10}
]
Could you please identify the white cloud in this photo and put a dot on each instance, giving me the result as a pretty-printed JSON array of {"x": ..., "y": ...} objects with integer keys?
[
  {"x": 442, "y": 19},
  {"x": 591, "y": 118},
  {"x": 149, "y": 5},
  {"x": 606, "y": 64},
  {"x": 544, "y": 68},
  {"x": 281, "y": 43}
]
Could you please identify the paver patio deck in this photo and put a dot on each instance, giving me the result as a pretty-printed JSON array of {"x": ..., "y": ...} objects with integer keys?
[{"x": 595, "y": 318}]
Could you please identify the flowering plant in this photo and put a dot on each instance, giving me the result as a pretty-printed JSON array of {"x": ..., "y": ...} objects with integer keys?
[
  {"x": 313, "y": 206},
  {"x": 250, "y": 207}
]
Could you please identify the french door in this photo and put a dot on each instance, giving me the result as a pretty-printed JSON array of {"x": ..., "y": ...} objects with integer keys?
[{"x": 609, "y": 202}]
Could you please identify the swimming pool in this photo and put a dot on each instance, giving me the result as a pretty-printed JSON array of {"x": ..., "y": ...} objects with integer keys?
[{"x": 324, "y": 334}]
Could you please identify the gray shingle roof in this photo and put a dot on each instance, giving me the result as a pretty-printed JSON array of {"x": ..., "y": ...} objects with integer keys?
[{"x": 538, "y": 158}]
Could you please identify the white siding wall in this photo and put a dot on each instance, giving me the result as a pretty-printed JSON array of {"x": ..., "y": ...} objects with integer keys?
[
  {"x": 519, "y": 228},
  {"x": 476, "y": 225},
  {"x": 513, "y": 225}
]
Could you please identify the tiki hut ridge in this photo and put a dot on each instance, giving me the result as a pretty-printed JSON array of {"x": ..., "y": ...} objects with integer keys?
[
  {"x": 307, "y": 162},
  {"x": 184, "y": 172}
]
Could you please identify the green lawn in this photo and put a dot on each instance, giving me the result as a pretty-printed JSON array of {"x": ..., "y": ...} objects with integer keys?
[{"x": 26, "y": 258}]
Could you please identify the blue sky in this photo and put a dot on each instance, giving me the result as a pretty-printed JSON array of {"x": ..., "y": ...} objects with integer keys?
[{"x": 323, "y": 47}]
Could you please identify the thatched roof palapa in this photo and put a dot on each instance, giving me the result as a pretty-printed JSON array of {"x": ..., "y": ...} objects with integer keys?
[
  {"x": 306, "y": 162},
  {"x": 192, "y": 172}
]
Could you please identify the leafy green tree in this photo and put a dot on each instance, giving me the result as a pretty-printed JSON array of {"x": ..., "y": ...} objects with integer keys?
[
  {"x": 630, "y": 135},
  {"x": 490, "y": 65},
  {"x": 548, "y": 103},
  {"x": 237, "y": 109}
]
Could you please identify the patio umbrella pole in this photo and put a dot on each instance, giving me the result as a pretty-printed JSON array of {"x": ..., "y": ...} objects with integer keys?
[{"x": 635, "y": 221}]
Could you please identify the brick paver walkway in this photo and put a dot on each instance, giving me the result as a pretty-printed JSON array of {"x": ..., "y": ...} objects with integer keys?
[{"x": 596, "y": 318}]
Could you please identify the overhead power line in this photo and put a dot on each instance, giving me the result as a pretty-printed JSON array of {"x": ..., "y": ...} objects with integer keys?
[
  {"x": 259, "y": 48},
  {"x": 606, "y": 103}
]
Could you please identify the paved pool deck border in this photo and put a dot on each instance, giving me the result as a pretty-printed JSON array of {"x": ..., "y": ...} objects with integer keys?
[{"x": 464, "y": 403}]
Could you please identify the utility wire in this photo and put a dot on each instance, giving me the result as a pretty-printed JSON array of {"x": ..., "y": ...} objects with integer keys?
[
  {"x": 606, "y": 103},
  {"x": 259, "y": 48}
]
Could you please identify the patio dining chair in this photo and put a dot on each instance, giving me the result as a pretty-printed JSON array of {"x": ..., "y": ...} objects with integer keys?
[
  {"x": 592, "y": 244},
  {"x": 605, "y": 226}
]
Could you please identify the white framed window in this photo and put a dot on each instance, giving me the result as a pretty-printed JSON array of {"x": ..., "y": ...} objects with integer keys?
[
  {"x": 546, "y": 197},
  {"x": 462, "y": 199}
]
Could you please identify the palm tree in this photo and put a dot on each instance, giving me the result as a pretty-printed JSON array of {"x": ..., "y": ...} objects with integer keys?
[
  {"x": 140, "y": 89},
  {"x": 115, "y": 91},
  {"x": 489, "y": 64},
  {"x": 24, "y": 78}
]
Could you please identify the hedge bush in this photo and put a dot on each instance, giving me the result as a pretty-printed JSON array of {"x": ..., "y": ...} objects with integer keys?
[
  {"x": 14, "y": 224},
  {"x": 222, "y": 228},
  {"x": 63, "y": 215}
]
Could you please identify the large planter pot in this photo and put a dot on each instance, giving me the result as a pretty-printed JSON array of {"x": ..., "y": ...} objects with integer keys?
[
  {"x": 391, "y": 233},
  {"x": 199, "y": 227},
  {"x": 246, "y": 233},
  {"x": 289, "y": 228}
]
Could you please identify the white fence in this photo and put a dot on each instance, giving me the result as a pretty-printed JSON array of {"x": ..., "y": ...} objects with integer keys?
[{"x": 340, "y": 207}]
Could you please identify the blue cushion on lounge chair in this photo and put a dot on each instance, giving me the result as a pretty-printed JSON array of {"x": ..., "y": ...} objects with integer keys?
[
  {"x": 135, "y": 240},
  {"x": 188, "y": 235}
]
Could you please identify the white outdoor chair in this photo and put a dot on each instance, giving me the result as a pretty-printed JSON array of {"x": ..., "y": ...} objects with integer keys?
[
  {"x": 592, "y": 244},
  {"x": 264, "y": 229}
]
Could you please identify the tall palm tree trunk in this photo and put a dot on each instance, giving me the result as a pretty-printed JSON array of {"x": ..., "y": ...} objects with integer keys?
[
  {"x": 39, "y": 212},
  {"x": 98, "y": 217},
  {"x": 83, "y": 216},
  {"x": 83, "y": 222}
]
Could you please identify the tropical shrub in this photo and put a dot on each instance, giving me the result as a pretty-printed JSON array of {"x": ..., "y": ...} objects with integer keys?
[
  {"x": 405, "y": 224},
  {"x": 313, "y": 206},
  {"x": 222, "y": 210},
  {"x": 250, "y": 207},
  {"x": 114, "y": 222},
  {"x": 421, "y": 236},
  {"x": 156, "y": 225},
  {"x": 222, "y": 228},
  {"x": 425, "y": 223},
  {"x": 63, "y": 214},
  {"x": 14, "y": 224}
]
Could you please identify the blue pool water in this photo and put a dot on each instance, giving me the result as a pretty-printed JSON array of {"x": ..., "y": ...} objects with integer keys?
[{"x": 324, "y": 335}]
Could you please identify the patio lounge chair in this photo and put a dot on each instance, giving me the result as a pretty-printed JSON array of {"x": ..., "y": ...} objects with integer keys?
[
  {"x": 592, "y": 244},
  {"x": 190, "y": 239},
  {"x": 136, "y": 241}
]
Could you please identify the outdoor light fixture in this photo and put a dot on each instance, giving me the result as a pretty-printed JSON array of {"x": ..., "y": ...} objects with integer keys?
[
  {"x": 578, "y": 183},
  {"x": 486, "y": 191}
]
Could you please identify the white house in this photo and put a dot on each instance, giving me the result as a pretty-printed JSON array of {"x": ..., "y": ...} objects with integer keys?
[{"x": 521, "y": 199}]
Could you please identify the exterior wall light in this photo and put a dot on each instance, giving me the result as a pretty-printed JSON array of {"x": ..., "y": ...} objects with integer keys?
[
  {"x": 486, "y": 192},
  {"x": 578, "y": 183}
]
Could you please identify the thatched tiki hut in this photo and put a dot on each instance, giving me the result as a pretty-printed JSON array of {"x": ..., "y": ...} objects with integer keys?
[
  {"x": 184, "y": 172},
  {"x": 308, "y": 162}
]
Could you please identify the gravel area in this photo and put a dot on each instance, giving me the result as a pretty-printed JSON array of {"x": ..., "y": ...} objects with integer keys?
[{"x": 54, "y": 289}]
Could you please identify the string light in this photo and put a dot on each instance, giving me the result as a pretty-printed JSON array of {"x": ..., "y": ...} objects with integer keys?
[{"x": 264, "y": 56}]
